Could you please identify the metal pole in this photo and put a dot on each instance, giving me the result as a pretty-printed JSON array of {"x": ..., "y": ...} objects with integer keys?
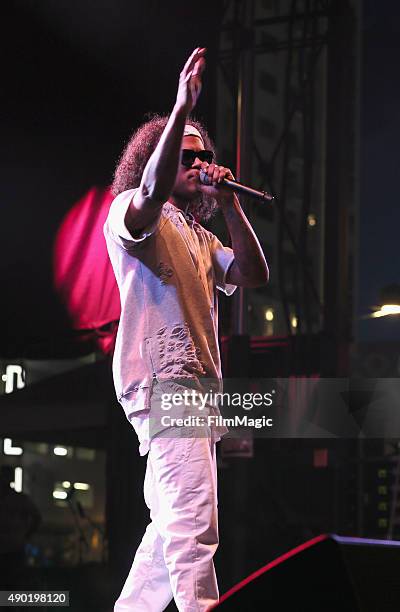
[{"x": 244, "y": 132}]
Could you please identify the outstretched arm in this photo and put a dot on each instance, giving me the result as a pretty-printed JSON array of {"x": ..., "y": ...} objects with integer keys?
[{"x": 160, "y": 172}]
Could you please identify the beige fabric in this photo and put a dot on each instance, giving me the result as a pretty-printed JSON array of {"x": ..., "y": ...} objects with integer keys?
[{"x": 169, "y": 309}]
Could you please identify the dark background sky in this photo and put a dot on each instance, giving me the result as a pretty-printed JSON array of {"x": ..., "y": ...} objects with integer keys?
[
  {"x": 380, "y": 163},
  {"x": 78, "y": 77}
]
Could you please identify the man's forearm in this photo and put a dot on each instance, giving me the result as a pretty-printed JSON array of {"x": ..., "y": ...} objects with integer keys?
[
  {"x": 160, "y": 172},
  {"x": 250, "y": 267}
]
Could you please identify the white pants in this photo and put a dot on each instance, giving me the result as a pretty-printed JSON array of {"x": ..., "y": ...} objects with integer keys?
[{"x": 175, "y": 556}]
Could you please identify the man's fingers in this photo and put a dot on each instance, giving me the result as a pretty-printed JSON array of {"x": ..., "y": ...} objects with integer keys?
[
  {"x": 199, "y": 67},
  {"x": 190, "y": 59},
  {"x": 194, "y": 57},
  {"x": 216, "y": 174},
  {"x": 212, "y": 171},
  {"x": 225, "y": 173}
]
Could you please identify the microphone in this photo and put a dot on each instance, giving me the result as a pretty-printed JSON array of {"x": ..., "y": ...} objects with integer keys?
[{"x": 237, "y": 187}]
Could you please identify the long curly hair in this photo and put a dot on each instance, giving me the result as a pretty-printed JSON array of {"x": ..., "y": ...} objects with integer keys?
[{"x": 137, "y": 152}]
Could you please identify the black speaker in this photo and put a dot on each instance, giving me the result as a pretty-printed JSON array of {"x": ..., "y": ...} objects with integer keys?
[{"x": 326, "y": 574}]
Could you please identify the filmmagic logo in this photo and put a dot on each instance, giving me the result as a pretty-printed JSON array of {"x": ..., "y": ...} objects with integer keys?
[
  {"x": 247, "y": 401},
  {"x": 217, "y": 420}
]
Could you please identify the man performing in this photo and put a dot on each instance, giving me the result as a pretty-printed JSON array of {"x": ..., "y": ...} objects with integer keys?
[{"x": 168, "y": 268}]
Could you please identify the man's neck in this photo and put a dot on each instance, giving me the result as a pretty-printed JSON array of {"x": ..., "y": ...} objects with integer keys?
[{"x": 180, "y": 203}]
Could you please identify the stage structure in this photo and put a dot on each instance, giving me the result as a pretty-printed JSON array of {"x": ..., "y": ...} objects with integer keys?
[{"x": 286, "y": 119}]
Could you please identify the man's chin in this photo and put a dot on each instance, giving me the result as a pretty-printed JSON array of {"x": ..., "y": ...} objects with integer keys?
[{"x": 192, "y": 192}]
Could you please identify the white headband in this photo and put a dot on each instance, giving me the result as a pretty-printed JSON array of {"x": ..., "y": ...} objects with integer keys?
[{"x": 190, "y": 130}]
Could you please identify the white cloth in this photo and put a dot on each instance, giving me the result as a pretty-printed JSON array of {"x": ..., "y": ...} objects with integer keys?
[
  {"x": 190, "y": 130},
  {"x": 175, "y": 557},
  {"x": 168, "y": 279},
  {"x": 148, "y": 423}
]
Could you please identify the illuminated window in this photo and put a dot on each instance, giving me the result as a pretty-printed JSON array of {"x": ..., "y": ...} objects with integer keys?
[
  {"x": 60, "y": 494},
  {"x": 68, "y": 492},
  {"x": 63, "y": 451},
  {"x": 18, "y": 479},
  {"x": 81, "y": 486},
  {"x": 269, "y": 314},
  {"x": 17, "y": 482},
  {"x": 14, "y": 378},
  {"x": 9, "y": 449}
]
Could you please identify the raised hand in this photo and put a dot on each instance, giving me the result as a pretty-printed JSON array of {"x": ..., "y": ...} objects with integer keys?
[{"x": 190, "y": 81}]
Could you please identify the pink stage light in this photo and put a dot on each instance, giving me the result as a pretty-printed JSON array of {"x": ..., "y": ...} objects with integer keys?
[{"x": 83, "y": 275}]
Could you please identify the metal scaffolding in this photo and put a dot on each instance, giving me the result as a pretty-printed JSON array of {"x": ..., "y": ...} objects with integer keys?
[{"x": 304, "y": 31}]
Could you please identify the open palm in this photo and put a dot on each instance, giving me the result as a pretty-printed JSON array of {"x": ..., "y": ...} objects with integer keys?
[{"x": 190, "y": 80}]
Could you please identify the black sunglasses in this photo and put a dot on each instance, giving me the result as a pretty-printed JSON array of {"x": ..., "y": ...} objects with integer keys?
[{"x": 188, "y": 157}]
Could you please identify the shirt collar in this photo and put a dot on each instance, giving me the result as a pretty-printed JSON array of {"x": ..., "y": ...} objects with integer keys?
[{"x": 171, "y": 208}]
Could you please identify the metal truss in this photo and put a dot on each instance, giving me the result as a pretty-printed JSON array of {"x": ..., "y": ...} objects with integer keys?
[{"x": 303, "y": 52}]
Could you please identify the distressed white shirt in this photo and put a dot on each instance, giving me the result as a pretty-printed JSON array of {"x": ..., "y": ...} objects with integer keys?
[{"x": 167, "y": 278}]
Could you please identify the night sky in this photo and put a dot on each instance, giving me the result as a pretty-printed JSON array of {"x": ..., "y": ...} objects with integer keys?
[
  {"x": 78, "y": 81},
  {"x": 78, "y": 78},
  {"x": 379, "y": 181}
]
